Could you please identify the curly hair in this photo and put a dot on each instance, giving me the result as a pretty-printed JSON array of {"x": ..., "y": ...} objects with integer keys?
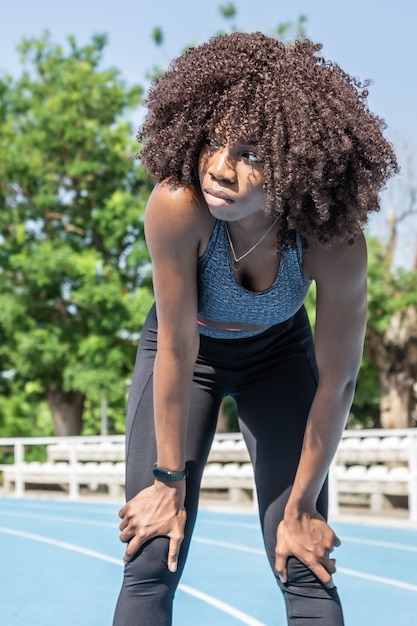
[{"x": 323, "y": 152}]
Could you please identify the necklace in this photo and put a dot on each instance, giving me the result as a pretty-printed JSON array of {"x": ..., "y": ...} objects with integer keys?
[{"x": 236, "y": 260}]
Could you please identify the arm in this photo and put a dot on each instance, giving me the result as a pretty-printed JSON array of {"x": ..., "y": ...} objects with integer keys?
[
  {"x": 173, "y": 221},
  {"x": 172, "y": 236},
  {"x": 340, "y": 275}
]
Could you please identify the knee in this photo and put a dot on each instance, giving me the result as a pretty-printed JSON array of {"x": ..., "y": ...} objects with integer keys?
[
  {"x": 148, "y": 569},
  {"x": 300, "y": 577},
  {"x": 307, "y": 600}
]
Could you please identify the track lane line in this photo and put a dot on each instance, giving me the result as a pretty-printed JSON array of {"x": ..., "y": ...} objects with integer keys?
[
  {"x": 381, "y": 544},
  {"x": 61, "y": 518},
  {"x": 342, "y": 570},
  {"x": 244, "y": 618},
  {"x": 227, "y": 545}
]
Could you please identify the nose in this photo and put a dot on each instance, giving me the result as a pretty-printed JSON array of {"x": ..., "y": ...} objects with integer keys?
[{"x": 222, "y": 166}]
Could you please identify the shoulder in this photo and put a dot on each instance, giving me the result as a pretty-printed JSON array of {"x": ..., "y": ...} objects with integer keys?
[
  {"x": 177, "y": 215},
  {"x": 340, "y": 272},
  {"x": 342, "y": 258},
  {"x": 168, "y": 198}
]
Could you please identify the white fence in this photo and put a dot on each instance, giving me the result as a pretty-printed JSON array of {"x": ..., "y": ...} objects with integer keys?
[
  {"x": 373, "y": 467},
  {"x": 68, "y": 463},
  {"x": 378, "y": 464}
]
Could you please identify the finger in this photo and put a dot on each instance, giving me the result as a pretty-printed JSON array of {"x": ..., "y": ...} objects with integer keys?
[
  {"x": 126, "y": 536},
  {"x": 281, "y": 568},
  {"x": 173, "y": 552},
  {"x": 323, "y": 575},
  {"x": 124, "y": 523},
  {"x": 328, "y": 564},
  {"x": 122, "y": 511},
  {"x": 132, "y": 547},
  {"x": 335, "y": 544},
  {"x": 331, "y": 568}
]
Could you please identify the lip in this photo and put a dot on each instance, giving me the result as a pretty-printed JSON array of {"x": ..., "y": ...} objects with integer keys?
[{"x": 216, "y": 197}]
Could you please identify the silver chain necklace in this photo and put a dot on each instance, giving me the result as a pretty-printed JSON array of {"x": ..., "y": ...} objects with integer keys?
[{"x": 236, "y": 260}]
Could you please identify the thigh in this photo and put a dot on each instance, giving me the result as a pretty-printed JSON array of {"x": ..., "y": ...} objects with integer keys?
[
  {"x": 273, "y": 405},
  {"x": 274, "y": 399}
]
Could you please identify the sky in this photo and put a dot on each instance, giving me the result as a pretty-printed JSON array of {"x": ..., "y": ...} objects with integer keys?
[{"x": 373, "y": 39}]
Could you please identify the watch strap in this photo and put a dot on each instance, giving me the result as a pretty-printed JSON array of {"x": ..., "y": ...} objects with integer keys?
[{"x": 169, "y": 475}]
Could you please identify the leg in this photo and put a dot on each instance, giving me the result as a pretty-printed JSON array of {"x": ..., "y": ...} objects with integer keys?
[
  {"x": 148, "y": 587},
  {"x": 273, "y": 407}
]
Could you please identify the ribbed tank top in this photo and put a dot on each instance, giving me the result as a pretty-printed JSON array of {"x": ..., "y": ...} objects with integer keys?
[{"x": 222, "y": 299}]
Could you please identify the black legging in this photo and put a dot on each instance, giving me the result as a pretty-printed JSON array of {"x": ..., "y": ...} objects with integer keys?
[{"x": 273, "y": 379}]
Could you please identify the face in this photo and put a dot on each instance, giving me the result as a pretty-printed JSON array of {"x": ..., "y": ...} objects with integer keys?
[{"x": 231, "y": 179}]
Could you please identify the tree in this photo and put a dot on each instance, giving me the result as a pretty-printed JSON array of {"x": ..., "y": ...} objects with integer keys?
[
  {"x": 74, "y": 268},
  {"x": 391, "y": 341}
]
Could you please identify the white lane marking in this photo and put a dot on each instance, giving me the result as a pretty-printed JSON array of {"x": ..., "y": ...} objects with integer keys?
[
  {"x": 61, "y": 518},
  {"x": 73, "y": 520},
  {"x": 381, "y": 544},
  {"x": 341, "y": 570},
  {"x": 233, "y": 524},
  {"x": 225, "y": 544},
  {"x": 231, "y": 546},
  {"x": 61, "y": 544},
  {"x": 222, "y": 606},
  {"x": 378, "y": 579},
  {"x": 47, "y": 516}
]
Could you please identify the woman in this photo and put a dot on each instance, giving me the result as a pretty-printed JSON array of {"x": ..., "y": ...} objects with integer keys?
[{"x": 268, "y": 163}]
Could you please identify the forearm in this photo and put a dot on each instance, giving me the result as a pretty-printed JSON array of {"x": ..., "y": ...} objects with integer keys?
[
  {"x": 173, "y": 374},
  {"x": 325, "y": 425}
]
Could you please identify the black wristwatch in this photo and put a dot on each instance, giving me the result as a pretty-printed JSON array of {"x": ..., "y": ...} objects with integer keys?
[{"x": 164, "y": 474}]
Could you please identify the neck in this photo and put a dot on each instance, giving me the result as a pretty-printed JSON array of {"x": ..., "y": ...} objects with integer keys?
[{"x": 253, "y": 224}]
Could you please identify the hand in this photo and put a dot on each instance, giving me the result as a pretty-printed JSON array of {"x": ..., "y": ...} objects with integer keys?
[
  {"x": 155, "y": 511},
  {"x": 311, "y": 540}
]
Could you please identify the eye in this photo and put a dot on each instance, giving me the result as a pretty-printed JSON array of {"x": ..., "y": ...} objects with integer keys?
[{"x": 250, "y": 157}]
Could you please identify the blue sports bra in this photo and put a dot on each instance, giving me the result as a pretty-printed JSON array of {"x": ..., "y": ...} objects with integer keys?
[{"x": 222, "y": 299}]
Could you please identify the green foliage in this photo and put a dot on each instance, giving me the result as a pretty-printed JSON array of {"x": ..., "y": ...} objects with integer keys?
[
  {"x": 289, "y": 31},
  {"x": 228, "y": 11},
  {"x": 74, "y": 267},
  {"x": 389, "y": 289},
  {"x": 365, "y": 408},
  {"x": 230, "y": 409},
  {"x": 390, "y": 292},
  {"x": 157, "y": 36},
  {"x": 24, "y": 414}
]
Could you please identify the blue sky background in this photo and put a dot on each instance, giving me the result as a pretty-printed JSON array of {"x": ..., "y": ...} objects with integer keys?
[{"x": 369, "y": 38}]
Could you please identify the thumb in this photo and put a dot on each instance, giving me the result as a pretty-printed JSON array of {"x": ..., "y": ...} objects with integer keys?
[
  {"x": 173, "y": 551},
  {"x": 281, "y": 556}
]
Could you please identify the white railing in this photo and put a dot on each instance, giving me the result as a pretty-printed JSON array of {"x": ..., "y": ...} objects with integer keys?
[
  {"x": 72, "y": 444},
  {"x": 375, "y": 463},
  {"x": 361, "y": 453}
]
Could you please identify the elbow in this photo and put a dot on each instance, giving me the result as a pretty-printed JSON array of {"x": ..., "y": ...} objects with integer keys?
[
  {"x": 181, "y": 348},
  {"x": 348, "y": 389},
  {"x": 340, "y": 388}
]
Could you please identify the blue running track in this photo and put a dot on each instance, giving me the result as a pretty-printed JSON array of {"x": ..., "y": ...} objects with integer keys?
[{"x": 60, "y": 564}]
